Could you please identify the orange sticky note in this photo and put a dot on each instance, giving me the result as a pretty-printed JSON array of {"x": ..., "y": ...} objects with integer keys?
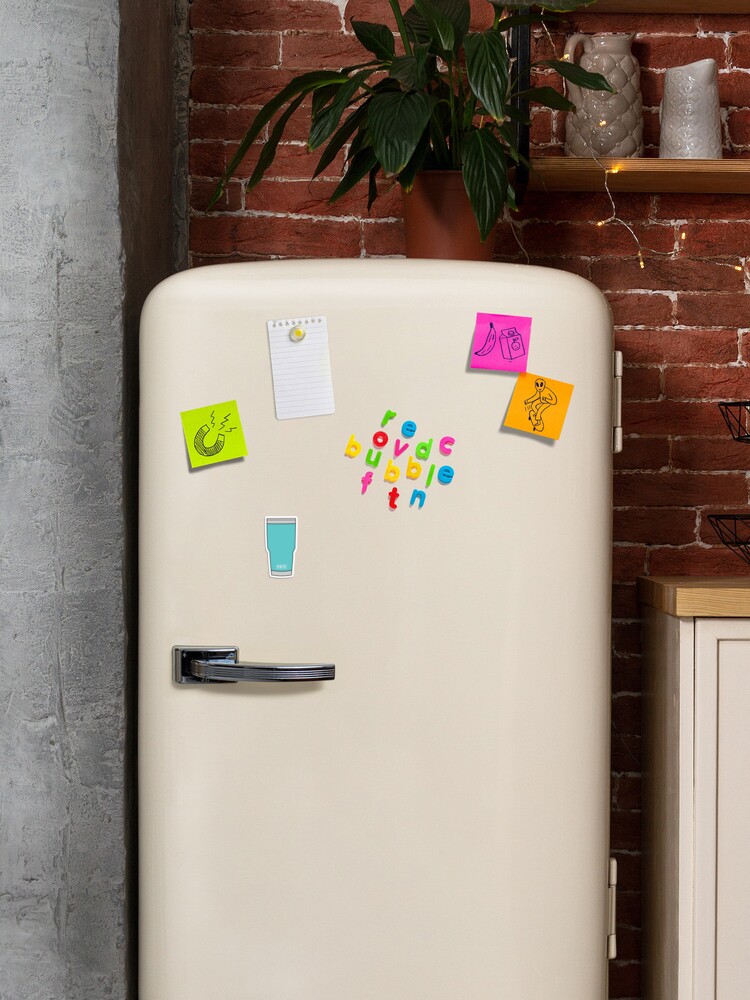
[{"x": 539, "y": 405}]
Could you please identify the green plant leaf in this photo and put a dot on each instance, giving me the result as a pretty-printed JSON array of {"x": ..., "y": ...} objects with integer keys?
[
  {"x": 440, "y": 150},
  {"x": 395, "y": 6},
  {"x": 412, "y": 71},
  {"x": 458, "y": 12},
  {"x": 438, "y": 25},
  {"x": 416, "y": 26},
  {"x": 361, "y": 164},
  {"x": 305, "y": 84},
  {"x": 268, "y": 152},
  {"x": 548, "y": 97},
  {"x": 326, "y": 121},
  {"x": 376, "y": 38},
  {"x": 487, "y": 67},
  {"x": 470, "y": 109},
  {"x": 396, "y": 122},
  {"x": 341, "y": 137},
  {"x": 516, "y": 115},
  {"x": 485, "y": 176},
  {"x": 415, "y": 164},
  {"x": 373, "y": 64},
  {"x": 508, "y": 134},
  {"x": 574, "y": 73},
  {"x": 324, "y": 96},
  {"x": 372, "y": 186},
  {"x": 360, "y": 141}
]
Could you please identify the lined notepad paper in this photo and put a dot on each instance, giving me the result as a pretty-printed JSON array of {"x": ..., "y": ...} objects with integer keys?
[{"x": 301, "y": 369}]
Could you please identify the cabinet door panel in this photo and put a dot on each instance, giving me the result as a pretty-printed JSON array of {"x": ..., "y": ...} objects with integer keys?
[{"x": 722, "y": 809}]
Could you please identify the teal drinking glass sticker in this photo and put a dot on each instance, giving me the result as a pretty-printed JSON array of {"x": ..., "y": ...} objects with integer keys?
[
  {"x": 281, "y": 543},
  {"x": 213, "y": 434}
]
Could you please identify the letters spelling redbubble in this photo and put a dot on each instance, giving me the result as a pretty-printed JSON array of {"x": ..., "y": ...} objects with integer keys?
[{"x": 415, "y": 463}]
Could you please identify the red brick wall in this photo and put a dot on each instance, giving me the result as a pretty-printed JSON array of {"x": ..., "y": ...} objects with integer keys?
[{"x": 682, "y": 322}]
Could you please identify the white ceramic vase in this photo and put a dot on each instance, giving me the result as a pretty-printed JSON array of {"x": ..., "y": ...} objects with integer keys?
[
  {"x": 605, "y": 124},
  {"x": 690, "y": 120}
]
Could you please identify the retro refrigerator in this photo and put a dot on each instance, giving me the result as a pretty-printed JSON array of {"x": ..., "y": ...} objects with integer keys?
[{"x": 417, "y": 809}]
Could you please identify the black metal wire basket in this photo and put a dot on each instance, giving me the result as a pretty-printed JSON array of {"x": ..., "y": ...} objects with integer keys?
[
  {"x": 737, "y": 418},
  {"x": 734, "y": 532}
]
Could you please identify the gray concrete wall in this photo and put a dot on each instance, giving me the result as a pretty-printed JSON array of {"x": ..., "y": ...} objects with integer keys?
[{"x": 69, "y": 242}]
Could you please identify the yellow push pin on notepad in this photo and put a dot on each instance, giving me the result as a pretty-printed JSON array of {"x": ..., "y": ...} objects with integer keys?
[{"x": 297, "y": 334}]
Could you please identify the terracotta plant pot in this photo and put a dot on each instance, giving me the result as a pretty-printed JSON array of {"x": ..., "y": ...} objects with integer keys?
[{"x": 439, "y": 221}]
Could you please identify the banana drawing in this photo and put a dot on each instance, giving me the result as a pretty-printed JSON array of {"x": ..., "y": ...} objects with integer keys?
[
  {"x": 488, "y": 344},
  {"x": 203, "y": 449}
]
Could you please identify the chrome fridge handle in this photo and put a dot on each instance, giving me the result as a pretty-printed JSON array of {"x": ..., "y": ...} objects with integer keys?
[{"x": 220, "y": 664}]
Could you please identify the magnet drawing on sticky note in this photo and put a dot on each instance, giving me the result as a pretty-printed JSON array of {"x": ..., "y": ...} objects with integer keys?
[
  {"x": 539, "y": 405},
  {"x": 501, "y": 343},
  {"x": 213, "y": 434}
]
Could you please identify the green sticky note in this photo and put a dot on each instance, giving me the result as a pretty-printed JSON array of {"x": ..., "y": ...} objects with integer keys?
[{"x": 213, "y": 433}]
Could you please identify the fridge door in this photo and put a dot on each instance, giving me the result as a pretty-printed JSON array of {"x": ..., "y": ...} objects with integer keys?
[{"x": 433, "y": 823}]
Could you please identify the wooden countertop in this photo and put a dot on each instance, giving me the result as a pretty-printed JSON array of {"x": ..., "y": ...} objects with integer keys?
[{"x": 697, "y": 596}]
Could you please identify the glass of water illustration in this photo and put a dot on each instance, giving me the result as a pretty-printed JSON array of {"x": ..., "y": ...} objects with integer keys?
[{"x": 281, "y": 542}]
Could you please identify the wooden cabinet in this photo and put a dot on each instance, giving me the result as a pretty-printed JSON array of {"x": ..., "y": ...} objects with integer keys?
[{"x": 697, "y": 788}]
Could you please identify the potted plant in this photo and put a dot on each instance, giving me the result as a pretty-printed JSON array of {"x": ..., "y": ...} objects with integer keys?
[{"x": 441, "y": 106}]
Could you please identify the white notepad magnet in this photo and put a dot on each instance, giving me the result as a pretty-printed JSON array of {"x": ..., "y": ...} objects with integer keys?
[{"x": 301, "y": 367}]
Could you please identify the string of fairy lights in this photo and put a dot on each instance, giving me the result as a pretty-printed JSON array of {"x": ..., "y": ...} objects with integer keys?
[{"x": 614, "y": 217}]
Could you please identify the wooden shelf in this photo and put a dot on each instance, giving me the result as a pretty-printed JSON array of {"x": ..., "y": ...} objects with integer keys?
[
  {"x": 667, "y": 7},
  {"x": 569, "y": 173},
  {"x": 697, "y": 596}
]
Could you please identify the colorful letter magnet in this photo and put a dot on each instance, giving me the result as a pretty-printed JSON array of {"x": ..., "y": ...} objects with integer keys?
[{"x": 213, "y": 434}]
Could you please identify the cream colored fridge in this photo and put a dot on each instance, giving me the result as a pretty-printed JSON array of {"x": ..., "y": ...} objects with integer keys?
[{"x": 418, "y": 809}]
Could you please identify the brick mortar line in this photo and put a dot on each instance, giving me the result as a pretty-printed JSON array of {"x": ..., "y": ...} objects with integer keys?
[
  {"x": 239, "y": 32},
  {"x": 666, "y": 291},
  {"x": 696, "y": 543},
  {"x": 678, "y": 326},
  {"x": 199, "y": 65},
  {"x": 641, "y": 35},
  {"x": 286, "y": 144},
  {"x": 663, "y": 365},
  {"x": 276, "y": 180},
  {"x": 261, "y": 214},
  {"x": 670, "y": 438},
  {"x": 673, "y": 472}
]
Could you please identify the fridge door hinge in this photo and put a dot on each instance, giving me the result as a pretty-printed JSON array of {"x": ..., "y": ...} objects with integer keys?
[
  {"x": 612, "y": 910},
  {"x": 616, "y": 402}
]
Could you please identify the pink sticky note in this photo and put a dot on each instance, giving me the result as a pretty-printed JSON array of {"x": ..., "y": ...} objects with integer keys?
[{"x": 501, "y": 343}]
